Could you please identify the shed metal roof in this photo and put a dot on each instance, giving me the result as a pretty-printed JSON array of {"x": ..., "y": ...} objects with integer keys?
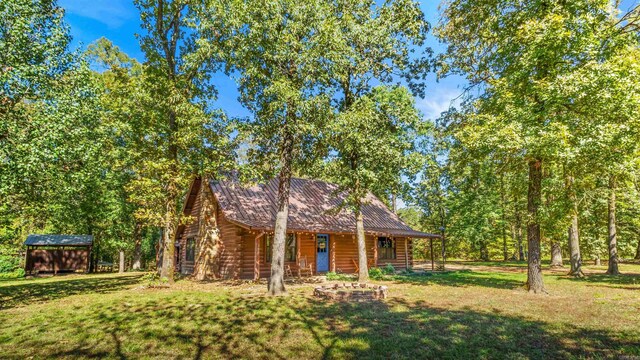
[
  {"x": 312, "y": 207},
  {"x": 59, "y": 240}
]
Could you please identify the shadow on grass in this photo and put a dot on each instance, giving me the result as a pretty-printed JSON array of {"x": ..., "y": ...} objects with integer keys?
[
  {"x": 462, "y": 278},
  {"x": 28, "y": 292},
  {"x": 194, "y": 326},
  {"x": 605, "y": 279},
  {"x": 503, "y": 264}
]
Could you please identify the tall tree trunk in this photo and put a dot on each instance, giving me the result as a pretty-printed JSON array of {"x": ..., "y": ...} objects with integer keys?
[
  {"x": 556, "y": 255},
  {"x": 613, "y": 236},
  {"x": 167, "y": 33},
  {"x": 535, "y": 283},
  {"x": 637, "y": 257},
  {"x": 518, "y": 228},
  {"x": 363, "y": 271},
  {"x": 513, "y": 237},
  {"x": 556, "y": 248},
  {"x": 505, "y": 251},
  {"x": 121, "y": 262},
  {"x": 443, "y": 250},
  {"x": 276, "y": 281},
  {"x": 137, "y": 250},
  {"x": 159, "y": 248},
  {"x": 443, "y": 231},
  {"x": 207, "y": 249},
  {"x": 394, "y": 203},
  {"x": 574, "y": 237},
  {"x": 484, "y": 252},
  {"x": 171, "y": 215},
  {"x": 169, "y": 236},
  {"x": 596, "y": 235}
]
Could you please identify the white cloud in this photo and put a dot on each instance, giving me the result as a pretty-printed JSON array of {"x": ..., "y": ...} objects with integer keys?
[
  {"x": 112, "y": 13},
  {"x": 435, "y": 103}
]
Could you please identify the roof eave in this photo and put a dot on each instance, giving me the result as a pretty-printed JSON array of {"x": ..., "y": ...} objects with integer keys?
[{"x": 386, "y": 232}]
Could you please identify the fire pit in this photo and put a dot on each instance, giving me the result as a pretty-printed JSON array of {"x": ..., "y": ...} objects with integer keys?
[{"x": 352, "y": 292}]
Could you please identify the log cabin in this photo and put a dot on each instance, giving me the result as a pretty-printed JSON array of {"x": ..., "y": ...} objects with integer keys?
[{"x": 229, "y": 231}]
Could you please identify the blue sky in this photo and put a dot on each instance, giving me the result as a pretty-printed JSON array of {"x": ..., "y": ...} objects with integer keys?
[{"x": 118, "y": 21}]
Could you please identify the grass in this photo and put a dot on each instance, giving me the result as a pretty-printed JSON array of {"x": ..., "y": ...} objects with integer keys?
[{"x": 481, "y": 312}]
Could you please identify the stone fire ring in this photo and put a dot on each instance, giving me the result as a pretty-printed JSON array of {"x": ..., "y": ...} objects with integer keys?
[{"x": 352, "y": 292}]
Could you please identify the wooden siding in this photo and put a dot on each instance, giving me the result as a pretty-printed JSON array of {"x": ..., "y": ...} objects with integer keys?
[
  {"x": 346, "y": 253},
  {"x": 57, "y": 260}
]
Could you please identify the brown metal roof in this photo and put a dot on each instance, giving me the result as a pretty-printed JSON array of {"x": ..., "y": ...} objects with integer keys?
[{"x": 313, "y": 207}]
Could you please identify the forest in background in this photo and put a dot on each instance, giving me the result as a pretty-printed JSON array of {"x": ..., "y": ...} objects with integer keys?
[{"x": 543, "y": 141}]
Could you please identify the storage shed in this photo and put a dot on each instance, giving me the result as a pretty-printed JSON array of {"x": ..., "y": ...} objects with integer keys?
[{"x": 58, "y": 253}]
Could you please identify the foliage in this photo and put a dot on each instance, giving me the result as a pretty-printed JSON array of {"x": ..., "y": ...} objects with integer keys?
[
  {"x": 9, "y": 263},
  {"x": 546, "y": 85},
  {"x": 332, "y": 276},
  {"x": 34, "y": 41},
  {"x": 374, "y": 143},
  {"x": 179, "y": 135},
  {"x": 14, "y": 274},
  {"x": 388, "y": 269},
  {"x": 153, "y": 280},
  {"x": 56, "y": 151},
  {"x": 282, "y": 54},
  {"x": 376, "y": 274}
]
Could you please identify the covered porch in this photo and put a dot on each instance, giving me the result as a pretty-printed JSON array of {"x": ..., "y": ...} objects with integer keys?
[{"x": 317, "y": 253}]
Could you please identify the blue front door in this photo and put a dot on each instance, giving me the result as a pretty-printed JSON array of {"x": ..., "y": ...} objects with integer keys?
[{"x": 322, "y": 259}]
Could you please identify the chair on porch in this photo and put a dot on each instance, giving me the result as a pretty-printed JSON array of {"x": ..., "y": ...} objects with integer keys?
[
  {"x": 304, "y": 267},
  {"x": 370, "y": 264},
  {"x": 287, "y": 271}
]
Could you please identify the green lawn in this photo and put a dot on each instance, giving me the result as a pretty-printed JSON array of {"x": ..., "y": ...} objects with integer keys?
[{"x": 459, "y": 314}]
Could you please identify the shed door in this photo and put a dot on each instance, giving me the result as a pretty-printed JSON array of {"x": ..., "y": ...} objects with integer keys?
[{"x": 322, "y": 259}]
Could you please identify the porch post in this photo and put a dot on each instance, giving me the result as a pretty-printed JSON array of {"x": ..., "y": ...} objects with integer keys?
[
  {"x": 375, "y": 251},
  {"x": 406, "y": 254},
  {"x": 332, "y": 265},
  {"x": 444, "y": 259},
  {"x": 256, "y": 257},
  {"x": 432, "y": 261}
]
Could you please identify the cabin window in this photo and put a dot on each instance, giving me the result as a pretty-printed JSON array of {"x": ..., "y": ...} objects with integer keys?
[
  {"x": 386, "y": 248},
  {"x": 290, "y": 249},
  {"x": 191, "y": 249}
]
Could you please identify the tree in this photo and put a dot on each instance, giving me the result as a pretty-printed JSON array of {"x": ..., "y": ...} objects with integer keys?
[
  {"x": 279, "y": 52},
  {"x": 179, "y": 136},
  {"x": 574, "y": 238},
  {"x": 54, "y": 171},
  {"x": 120, "y": 78},
  {"x": 34, "y": 58},
  {"x": 519, "y": 55},
  {"x": 34, "y": 53},
  {"x": 433, "y": 194},
  {"x": 375, "y": 43},
  {"x": 374, "y": 147}
]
